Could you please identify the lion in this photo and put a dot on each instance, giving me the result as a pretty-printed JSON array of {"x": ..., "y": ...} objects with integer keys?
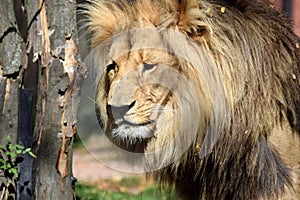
[{"x": 208, "y": 91}]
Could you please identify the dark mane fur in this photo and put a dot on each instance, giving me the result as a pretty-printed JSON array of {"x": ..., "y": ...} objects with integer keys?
[{"x": 247, "y": 167}]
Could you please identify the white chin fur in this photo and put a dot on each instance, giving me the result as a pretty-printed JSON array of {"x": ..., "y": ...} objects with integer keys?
[{"x": 131, "y": 134}]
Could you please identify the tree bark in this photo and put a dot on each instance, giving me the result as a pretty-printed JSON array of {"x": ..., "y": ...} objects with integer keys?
[{"x": 39, "y": 52}]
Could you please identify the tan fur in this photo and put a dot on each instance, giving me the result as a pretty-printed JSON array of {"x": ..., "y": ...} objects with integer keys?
[{"x": 255, "y": 53}]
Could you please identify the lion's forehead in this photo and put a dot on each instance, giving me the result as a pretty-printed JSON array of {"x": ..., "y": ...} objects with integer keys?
[
  {"x": 137, "y": 40},
  {"x": 134, "y": 40}
]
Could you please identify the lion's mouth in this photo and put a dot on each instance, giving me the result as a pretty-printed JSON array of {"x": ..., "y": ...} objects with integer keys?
[
  {"x": 127, "y": 131},
  {"x": 131, "y": 137},
  {"x": 120, "y": 122}
]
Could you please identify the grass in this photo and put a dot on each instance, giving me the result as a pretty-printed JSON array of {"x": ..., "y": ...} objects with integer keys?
[{"x": 125, "y": 189}]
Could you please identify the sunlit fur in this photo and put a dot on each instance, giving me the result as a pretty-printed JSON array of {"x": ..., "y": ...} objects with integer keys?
[{"x": 257, "y": 57}]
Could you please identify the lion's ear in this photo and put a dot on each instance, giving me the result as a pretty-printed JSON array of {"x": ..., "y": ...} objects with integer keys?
[{"x": 188, "y": 14}]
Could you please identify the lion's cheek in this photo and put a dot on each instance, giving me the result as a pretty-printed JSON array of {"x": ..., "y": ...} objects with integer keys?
[{"x": 166, "y": 124}]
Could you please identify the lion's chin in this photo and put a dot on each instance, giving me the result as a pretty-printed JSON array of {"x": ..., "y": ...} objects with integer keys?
[{"x": 131, "y": 134}]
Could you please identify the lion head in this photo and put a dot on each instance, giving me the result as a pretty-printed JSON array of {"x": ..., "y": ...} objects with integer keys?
[
  {"x": 199, "y": 87},
  {"x": 149, "y": 93}
]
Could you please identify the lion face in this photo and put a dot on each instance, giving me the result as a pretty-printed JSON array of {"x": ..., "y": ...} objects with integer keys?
[
  {"x": 136, "y": 93},
  {"x": 135, "y": 101}
]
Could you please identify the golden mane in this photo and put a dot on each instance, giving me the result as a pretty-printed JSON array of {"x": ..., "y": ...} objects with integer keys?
[
  {"x": 258, "y": 60},
  {"x": 107, "y": 18}
]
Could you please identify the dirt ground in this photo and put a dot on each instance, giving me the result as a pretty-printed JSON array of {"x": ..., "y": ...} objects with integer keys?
[{"x": 87, "y": 167}]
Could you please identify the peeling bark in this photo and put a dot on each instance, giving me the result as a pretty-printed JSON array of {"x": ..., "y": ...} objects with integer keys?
[
  {"x": 39, "y": 51},
  {"x": 59, "y": 63}
]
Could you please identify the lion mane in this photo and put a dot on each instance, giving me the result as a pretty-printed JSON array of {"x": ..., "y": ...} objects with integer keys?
[{"x": 256, "y": 58}]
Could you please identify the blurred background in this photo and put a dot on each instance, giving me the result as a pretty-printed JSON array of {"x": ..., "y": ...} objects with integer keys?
[{"x": 290, "y": 8}]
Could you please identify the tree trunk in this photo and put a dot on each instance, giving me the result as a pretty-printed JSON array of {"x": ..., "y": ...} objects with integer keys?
[{"x": 39, "y": 54}]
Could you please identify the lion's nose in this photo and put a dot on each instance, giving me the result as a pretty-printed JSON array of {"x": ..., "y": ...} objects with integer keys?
[{"x": 120, "y": 111}]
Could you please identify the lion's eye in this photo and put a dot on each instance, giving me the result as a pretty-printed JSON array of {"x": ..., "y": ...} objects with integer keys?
[
  {"x": 148, "y": 67},
  {"x": 111, "y": 67},
  {"x": 111, "y": 70}
]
